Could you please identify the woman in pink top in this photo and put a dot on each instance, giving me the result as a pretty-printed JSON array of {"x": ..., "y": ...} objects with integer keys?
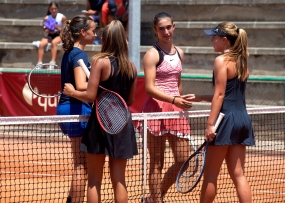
[{"x": 162, "y": 69}]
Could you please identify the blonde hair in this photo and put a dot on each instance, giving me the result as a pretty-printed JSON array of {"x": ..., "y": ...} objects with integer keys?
[
  {"x": 114, "y": 44},
  {"x": 238, "y": 52}
]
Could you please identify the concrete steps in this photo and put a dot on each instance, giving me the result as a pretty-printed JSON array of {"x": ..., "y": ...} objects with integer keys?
[
  {"x": 186, "y": 10},
  {"x": 264, "y": 21},
  {"x": 186, "y": 34},
  {"x": 189, "y": 33},
  {"x": 197, "y": 60},
  {"x": 216, "y": 10},
  {"x": 30, "y": 9}
]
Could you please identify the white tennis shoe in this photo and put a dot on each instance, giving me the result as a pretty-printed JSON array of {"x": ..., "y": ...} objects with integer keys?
[{"x": 51, "y": 65}]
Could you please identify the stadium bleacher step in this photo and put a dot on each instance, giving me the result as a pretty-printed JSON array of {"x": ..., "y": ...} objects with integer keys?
[
  {"x": 263, "y": 20},
  {"x": 197, "y": 60},
  {"x": 187, "y": 33}
]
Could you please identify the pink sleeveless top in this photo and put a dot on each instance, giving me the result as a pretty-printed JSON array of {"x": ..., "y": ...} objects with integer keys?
[
  {"x": 167, "y": 77},
  {"x": 168, "y": 74}
]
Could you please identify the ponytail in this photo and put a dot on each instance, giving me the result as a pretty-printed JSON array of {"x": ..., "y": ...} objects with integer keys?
[{"x": 238, "y": 52}]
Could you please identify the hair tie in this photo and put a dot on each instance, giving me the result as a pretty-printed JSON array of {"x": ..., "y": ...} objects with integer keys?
[
  {"x": 173, "y": 100},
  {"x": 68, "y": 21}
]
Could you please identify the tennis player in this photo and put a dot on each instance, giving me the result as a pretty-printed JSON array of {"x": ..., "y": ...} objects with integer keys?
[
  {"x": 113, "y": 70},
  {"x": 235, "y": 131},
  {"x": 75, "y": 35},
  {"x": 162, "y": 67}
]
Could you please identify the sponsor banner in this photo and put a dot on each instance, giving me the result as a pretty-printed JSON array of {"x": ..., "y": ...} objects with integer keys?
[{"x": 16, "y": 99}]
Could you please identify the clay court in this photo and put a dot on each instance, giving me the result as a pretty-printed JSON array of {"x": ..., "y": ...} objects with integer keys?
[
  {"x": 36, "y": 163},
  {"x": 36, "y": 166}
]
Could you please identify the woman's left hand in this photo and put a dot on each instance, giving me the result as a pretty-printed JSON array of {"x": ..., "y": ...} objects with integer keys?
[
  {"x": 210, "y": 133},
  {"x": 68, "y": 89}
]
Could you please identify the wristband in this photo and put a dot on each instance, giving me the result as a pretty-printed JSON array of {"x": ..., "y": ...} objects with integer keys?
[{"x": 173, "y": 99}]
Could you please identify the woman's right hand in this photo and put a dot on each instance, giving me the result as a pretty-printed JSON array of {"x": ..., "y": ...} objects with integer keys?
[
  {"x": 182, "y": 103},
  {"x": 192, "y": 97},
  {"x": 68, "y": 89}
]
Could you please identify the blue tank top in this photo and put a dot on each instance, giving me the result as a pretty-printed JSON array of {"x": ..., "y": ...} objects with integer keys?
[{"x": 68, "y": 63}]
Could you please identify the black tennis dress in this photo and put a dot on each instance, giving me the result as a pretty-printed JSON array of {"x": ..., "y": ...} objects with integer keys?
[
  {"x": 235, "y": 127},
  {"x": 95, "y": 140}
]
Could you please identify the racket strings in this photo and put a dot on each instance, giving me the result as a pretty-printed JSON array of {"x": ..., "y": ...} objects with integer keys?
[
  {"x": 45, "y": 82},
  {"x": 190, "y": 174},
  {"x": 112, "y": 112}
]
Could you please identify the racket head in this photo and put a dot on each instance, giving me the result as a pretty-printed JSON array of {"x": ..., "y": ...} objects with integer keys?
[
  {"x": 112, "y": 112},
  {"x": 192, "y": 170},
  {"x": 44, "y": 81}
]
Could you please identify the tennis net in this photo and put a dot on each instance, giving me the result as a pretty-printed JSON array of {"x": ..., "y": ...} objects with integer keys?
[{"x": 36, "y": 161}]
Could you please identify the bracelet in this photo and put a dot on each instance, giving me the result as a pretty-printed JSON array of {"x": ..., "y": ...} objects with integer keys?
[{"x": 173, "y": 99}]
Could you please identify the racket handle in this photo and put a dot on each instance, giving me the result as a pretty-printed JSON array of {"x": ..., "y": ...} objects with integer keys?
[
  {"x": 219, "y": 119},
  {"x": 84, "y": 67}
]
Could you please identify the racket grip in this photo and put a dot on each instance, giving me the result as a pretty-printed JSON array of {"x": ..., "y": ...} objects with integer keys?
[
  {"x": 84, "y": 67},
  {"x": 219, "y": 119}
]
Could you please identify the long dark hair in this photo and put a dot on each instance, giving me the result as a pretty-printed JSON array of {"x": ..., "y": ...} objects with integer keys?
[
  {"x": 71, "y": 30},
  {"x": 114, "y": 44},
  {"x": 53, "y": 3},
  {"x": 160, "y": 16}
]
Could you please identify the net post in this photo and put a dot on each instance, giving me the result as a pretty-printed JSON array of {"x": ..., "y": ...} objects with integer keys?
[{"x": 144, "y": 154}]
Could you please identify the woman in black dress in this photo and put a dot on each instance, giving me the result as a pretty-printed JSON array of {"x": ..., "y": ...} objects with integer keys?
[
  {"x": 235, "y": 131},
  {"x": 113, "y": 70}
]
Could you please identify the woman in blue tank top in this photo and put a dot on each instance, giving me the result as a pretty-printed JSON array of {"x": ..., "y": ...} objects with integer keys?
[{"x": 76, "y": 34}]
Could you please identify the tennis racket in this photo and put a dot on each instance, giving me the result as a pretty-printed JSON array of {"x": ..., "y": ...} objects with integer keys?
[
  {"x": 44, "y": 80},
  {"x": 111, "y": 109},
  {"x": 192, "y": 169}
]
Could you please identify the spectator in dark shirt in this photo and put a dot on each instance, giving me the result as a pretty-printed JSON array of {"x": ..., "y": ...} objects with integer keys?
[{"x": 93, "y": 9}]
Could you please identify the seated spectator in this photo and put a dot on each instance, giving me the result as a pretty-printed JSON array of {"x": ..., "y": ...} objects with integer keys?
[
  {"x": 93, "y": 9},
  {"x": 52, "y": 24},
  {"x": 115, "y": 9}
]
